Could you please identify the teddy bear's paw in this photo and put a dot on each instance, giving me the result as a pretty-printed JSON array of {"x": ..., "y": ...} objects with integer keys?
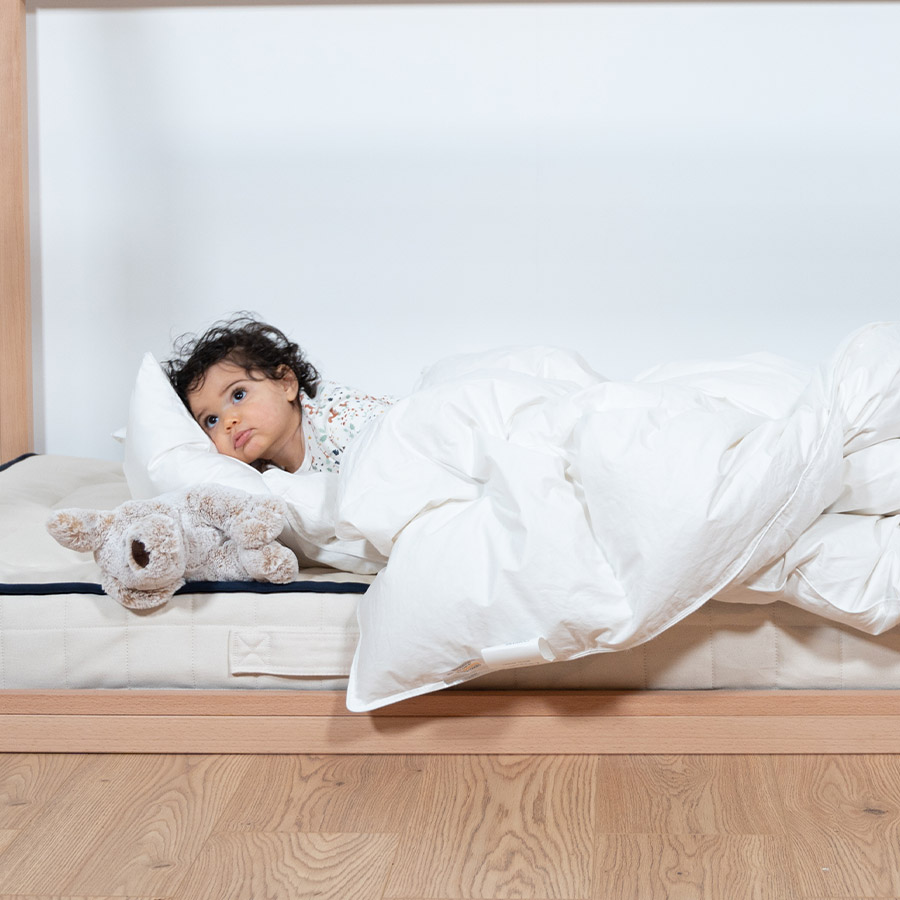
[
  {"x": 80, "y": 529},
  {"x": 260, "y": 524},
  {"x": 274, "y": 563}
]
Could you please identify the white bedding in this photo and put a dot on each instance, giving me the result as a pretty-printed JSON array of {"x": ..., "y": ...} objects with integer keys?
[
  {"x": 533, "y": 511},
  {"x": 523, "y": 500}
]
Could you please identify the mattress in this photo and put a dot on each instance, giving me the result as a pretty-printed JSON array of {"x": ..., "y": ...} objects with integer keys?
[{"x": 59, "y": 630}]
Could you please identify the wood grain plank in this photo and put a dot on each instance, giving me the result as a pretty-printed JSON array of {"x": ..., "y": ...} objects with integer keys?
[
  {"x": 28, "y": 781},
  {"x": 691, "y": 867},
  {"x": 283, "y": 866},
  {"x": 327, "y": 794},
  {"x": 59, "y": 835},
  {"x": 844, "y": 817},
  {"x": 162, "y": 828},
  {"x": 688, "y": 795},
  {"x": 7, "y": 836},
  {"x": 128, "y": 825},
  {"x": 497, "y": 827}
]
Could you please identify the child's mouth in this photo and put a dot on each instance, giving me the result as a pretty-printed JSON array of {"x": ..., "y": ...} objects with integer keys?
[{"x": 242, "y": 438}]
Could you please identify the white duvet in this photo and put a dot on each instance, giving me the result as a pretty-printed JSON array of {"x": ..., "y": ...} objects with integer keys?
[{"x": 530, "y": 510}]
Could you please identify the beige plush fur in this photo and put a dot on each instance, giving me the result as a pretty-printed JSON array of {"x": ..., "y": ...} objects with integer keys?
[{"x": 147, "y": 549}]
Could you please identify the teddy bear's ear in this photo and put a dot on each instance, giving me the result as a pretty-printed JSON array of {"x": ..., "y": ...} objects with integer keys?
[
  {"x": 79, "y": 529},
  {"x": 135, "y": 599}
]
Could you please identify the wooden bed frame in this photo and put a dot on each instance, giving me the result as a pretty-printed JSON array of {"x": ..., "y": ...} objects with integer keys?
[{"x": 318, "y": 722}]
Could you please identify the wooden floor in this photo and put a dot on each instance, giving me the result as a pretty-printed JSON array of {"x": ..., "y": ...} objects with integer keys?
[{"x": 416, "y": 827}]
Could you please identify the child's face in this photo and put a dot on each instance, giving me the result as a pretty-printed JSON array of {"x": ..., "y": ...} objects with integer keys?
[{"x": 250, "y": 417}]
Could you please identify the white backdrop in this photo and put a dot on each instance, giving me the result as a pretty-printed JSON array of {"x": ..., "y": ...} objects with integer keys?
[{"x": 391, "y": 184}]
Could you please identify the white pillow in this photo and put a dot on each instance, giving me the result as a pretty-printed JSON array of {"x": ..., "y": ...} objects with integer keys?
[{"x": 167, "y": 450}]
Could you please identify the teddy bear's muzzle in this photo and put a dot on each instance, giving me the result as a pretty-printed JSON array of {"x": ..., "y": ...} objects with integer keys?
[{"x": 155, "y": 551}]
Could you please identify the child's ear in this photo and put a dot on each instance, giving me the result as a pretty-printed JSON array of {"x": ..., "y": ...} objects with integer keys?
[{"x": 289, "y": 383}]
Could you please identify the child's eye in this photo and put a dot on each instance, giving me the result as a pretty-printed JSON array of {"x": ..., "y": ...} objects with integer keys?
[
  {"x": 239, "y": 394},
  {"x": 210, "y": 421}
]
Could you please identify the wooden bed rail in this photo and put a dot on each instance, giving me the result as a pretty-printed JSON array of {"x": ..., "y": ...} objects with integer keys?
[
  {"x": 16, "y": 403},
  {"x": 532, "y": 722}
]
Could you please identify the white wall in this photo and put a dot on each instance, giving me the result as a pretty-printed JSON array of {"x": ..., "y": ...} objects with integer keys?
[{"x": 391, "y": 184}]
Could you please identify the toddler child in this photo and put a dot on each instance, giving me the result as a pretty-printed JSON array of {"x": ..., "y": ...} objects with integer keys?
[{"x": 255, "y": 394}]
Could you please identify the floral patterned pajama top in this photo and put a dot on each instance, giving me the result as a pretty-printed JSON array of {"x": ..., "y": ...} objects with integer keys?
[{"x": 331, "y": 420}]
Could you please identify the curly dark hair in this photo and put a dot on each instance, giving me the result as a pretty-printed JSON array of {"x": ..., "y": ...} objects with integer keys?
[{"x": 245, "y": 341}]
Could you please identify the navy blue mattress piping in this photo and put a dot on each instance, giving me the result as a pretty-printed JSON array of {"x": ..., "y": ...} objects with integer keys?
[
  {"x": 197, "y": 587},
  {"x": 12, "y": 462}
]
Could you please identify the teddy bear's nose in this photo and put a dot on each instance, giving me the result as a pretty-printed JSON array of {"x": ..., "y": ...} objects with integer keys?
[{"x": 139, "y": 554}]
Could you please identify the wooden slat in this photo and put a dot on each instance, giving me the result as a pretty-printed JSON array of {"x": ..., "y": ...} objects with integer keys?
[
  {"x": 452, "y": 722},
  {"x": 16, "y": 418},
  {"x": 433, "y": 734},
  {"x": 793, "y": 703}
]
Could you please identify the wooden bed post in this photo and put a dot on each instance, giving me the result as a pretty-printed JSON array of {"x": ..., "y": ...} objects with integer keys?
[{"x": 16, "y": 416}]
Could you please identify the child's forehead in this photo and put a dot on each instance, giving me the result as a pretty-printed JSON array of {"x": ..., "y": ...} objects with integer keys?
[
  {"x": 227, "y": 368},
  {"x": 219, "y": 375}
]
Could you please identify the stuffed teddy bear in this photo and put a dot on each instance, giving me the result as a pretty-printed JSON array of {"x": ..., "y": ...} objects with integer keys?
[{"x": 147, "y": 549}]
